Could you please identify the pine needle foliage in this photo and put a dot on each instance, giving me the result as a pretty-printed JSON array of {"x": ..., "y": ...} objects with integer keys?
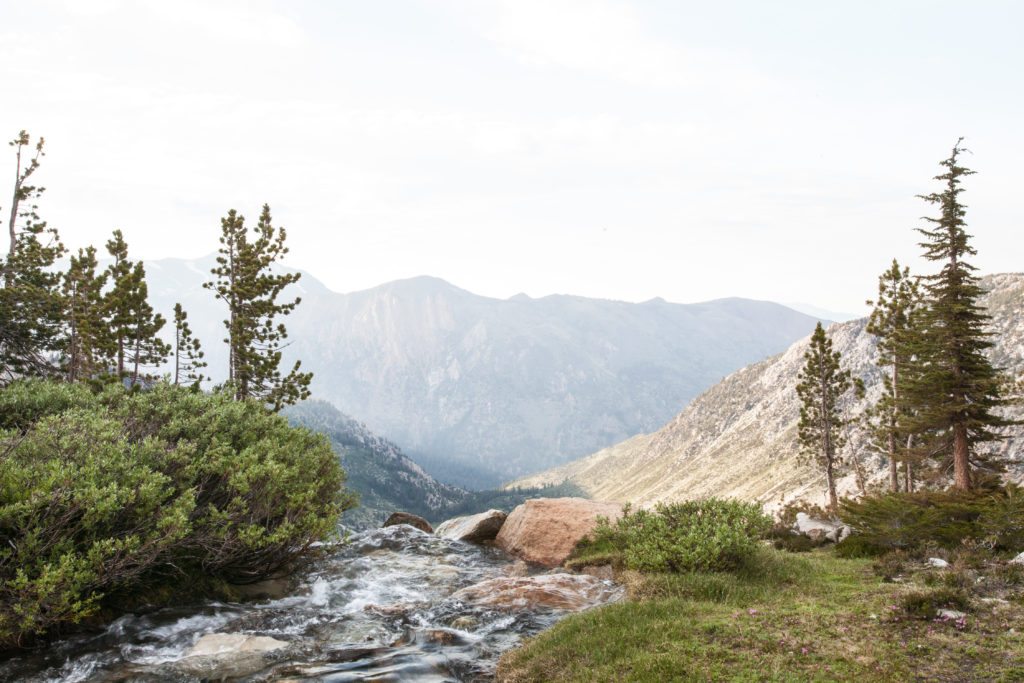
[
  {"x": 821, "y": 385},
  {"x": 954, "y": 385},
  {"x": 245, "y": 280},
  {"x": 894, "y": 322},
  {"x": 188, "y": 353}
]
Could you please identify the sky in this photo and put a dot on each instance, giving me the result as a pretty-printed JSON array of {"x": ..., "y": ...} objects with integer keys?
[{"x": 623, "y": 150}]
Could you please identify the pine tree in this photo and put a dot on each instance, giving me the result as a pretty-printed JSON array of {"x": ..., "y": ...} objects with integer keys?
[
  {"x": 86, "y": 332},
  {"x": 30, "y": 298},
  {"x": 188, "y": 354},
  {"x": 893, "y": 321},
  {"x": 245, "y": 280},
  {"x": 133, "y": 325},
  {"x": 145, "y": 349},
  {"x": 954, "y": 386},
  {"x": 822, "y": 384}
]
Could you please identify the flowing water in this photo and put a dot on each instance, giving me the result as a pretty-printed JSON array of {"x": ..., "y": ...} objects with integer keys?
[{"x": 378, "y": 608}]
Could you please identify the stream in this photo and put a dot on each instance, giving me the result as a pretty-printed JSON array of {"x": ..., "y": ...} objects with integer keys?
[{"x": 378, "y": 608}]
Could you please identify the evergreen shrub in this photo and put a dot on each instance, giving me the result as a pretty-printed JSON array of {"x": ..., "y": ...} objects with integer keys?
[
  {"x": 706, "y": 535},
  {"x": 114, "y": 493}
]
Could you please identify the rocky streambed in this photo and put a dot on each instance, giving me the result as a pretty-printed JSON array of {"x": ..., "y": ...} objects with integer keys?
[{"x": 392, "y": 604}]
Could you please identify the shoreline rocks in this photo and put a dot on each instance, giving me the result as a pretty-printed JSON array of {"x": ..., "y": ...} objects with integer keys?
[
  {"x": 474, "y": 528},
  {"x": 545, "y": 530}
]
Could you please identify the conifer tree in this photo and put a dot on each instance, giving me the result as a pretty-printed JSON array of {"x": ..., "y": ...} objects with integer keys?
[
  {"x": 822, "y": 384},
  {"x": 954, "y": 386},
  {"x": 30, "y": 298},
  {"x": 145, "y": 348},
  {"x": 893, "y": 321},
  {"x": 188, "y": 353},
  {"x": 121, "y": 300},
  {"x": 245, "y": 280},
  {"x": 86, "y": 330}
]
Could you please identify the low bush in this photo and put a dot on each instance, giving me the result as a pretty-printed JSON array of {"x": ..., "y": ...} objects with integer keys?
[
  {"x": 926, "y": 604},
  {"x": 707, "y": 535},
  {"x": 117, "y": 493},
  {"x": 915, "y": 522}
]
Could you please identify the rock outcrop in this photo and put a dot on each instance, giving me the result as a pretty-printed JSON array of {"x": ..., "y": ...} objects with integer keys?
[
  {"x": 545, "y": 530},
  {"x": 739, "y": 438},
  {"x": 570, "y": 592},
  {"x": 410, "y": 519},
  {"x": 474, "y": 528}
]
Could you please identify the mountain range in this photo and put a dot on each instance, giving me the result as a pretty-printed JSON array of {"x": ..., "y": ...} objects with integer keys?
[
  {"x": 480, "y": 390},
  {"x": 739, "y": 438}
]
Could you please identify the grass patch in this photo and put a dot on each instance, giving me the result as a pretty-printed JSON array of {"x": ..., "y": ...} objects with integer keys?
[{"x": 780, "y": 617}]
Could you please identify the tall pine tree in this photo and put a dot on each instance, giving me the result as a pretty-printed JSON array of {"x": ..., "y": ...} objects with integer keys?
[
  {"x": 954, "y": 386},
  {"x": 188, "y": 353},
  {"x": 894, "y": 321},
  {"x": 822, "y": 384},
  {"x": 244, "y": 279},
  {"x": 31, "y": 307}
]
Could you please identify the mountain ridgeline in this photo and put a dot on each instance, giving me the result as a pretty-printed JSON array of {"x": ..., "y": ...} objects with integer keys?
[
  {"x": 739, "y": 438},
  {"x": 481, "y": 390}
]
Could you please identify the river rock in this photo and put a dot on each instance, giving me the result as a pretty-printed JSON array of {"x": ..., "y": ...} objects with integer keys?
[
  {"x": 571, "y": 592},
  {"x": 474, "y": 528},
  {"x": 411, "y": 520},
  {"x": 545, "y": 530},
  {"x": 218, "y": 656}
]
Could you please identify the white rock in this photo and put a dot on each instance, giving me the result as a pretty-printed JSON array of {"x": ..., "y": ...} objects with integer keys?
[
  {"x": 1018, "y": 560},
  {"x": 218, "y": 656},
  {"x": 937, "y": 562},
  {"x": 950, "y": 614}
]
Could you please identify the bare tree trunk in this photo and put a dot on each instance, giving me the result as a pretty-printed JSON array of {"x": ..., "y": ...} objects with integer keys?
[
  {"x": 894, "y": 483},
  {"x": 908, "y": 477},
  {"x": 961, "y": 458}
]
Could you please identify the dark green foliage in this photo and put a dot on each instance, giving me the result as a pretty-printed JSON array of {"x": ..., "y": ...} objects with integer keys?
[
  {"x": 706, "y": 535},
  {"x": 246, "y": 282},
  {"x": 913, "y": 522},
  {"x": 188, "y": 352},
  {"x": 124, "y": 493},
  {"x": 783, "y": 538},
  {"x": 85, "y": 346},
  {"x": 954, "y": 386},
  {"x": 926, "y": 604},
  {"x": 894, "y": 321},
  {"x": 30, "y": 302},
  {"x": 822, "y": 384}
]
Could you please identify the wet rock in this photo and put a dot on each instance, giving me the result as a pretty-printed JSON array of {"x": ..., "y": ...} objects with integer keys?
[
  {"x": 518, "y": 568},
  {"x": 396, "y": 610},
  {"x": 571, "y": 592},
  {"x": 270, "y": 589},
  {"x": 474, "y": 528},
  {"x": 545, "y": 530},
  {"x": 465, "y": 623},
  {"x": 600, "y": 571},
  {"x": 218, "y": 656},
  {"x": 411, "y": 520}
]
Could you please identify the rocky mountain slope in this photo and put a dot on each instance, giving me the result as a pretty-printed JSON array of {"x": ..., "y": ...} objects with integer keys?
[
  {"x": 738, "y": 439},
  {"x": 385, "y": 479},
  {"x": 480, "y": 390}
]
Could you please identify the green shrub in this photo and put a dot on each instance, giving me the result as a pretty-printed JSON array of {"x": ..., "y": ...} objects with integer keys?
[
  {"x": 915, "y": 522},
  {"x": 711, "y": 535},
  {"x": 926, "y": 604},
  {"x": 783, "y": 538},
  {"x": 132, "y": 492}
]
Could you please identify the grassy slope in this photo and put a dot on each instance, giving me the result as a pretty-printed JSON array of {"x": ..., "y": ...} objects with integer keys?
[{"x": 787, "y": 618}]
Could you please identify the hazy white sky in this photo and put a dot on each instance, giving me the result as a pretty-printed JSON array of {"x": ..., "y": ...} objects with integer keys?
[{"x": 614, "y": 149}]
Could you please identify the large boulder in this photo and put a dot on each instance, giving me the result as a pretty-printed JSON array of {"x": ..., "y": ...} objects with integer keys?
[
  {"x": 217, "y": 656},
  {"x": 411, "y": 520},
  {"x": 818, "y": 529},
  {"x": 570, "y": 592},
  {"x": 474, "y": 528},
  {"x": 545, "y": 530}
]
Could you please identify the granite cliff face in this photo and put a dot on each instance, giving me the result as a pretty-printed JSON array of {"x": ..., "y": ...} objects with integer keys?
[
  {"x": 479, "y": 390},
  {"x": 738, "y": 439}
]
